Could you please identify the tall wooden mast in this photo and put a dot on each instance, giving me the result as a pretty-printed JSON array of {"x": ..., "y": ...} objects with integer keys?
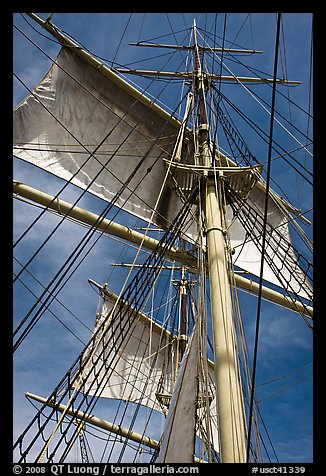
[
  {"x": 228, "y": 388},
  {"x": 229, "y": 399}
]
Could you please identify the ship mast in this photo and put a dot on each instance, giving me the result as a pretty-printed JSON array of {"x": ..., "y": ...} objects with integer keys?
[{"x": 229, "y": 397}]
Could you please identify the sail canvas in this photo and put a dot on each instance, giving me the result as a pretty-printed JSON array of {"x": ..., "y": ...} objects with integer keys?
[
  {"x": 83, "y": 127},
  {"x": 168, "y": 371}
]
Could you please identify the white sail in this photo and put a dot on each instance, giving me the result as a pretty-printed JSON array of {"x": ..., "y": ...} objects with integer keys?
[
  {"x": 74, "y": 96},
  {"x": 86, "y": 125},
  {"x": 247, "y": 256},
  {"x": 75, "y": 108},
  {"x": 144, "y": 364},
  {"x": 145, "y": 370}
]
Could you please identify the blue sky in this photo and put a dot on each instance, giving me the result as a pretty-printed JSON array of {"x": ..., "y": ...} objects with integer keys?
[{"x": 285, "y": 342}]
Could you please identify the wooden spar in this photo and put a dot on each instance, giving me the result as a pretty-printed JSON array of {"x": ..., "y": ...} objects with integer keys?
[
  {"x": 103, "y": 424},
  {"x": 108, "y": 72},
  {"x": 215, "y": 77},
  {"x": 103, "y": 224},
  {"x": 142, "y": 317},
  {"x": 157, "y": 328},
  {"x": 132, "y": 236},
  {"x": 274, "y": 296},
  {"x": 191, "y": 47},
  {"x": 98, "y": 422}
]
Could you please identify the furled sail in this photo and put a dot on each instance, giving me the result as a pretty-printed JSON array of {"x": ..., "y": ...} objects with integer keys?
[
  {"x": 99, "y": 133},
  {"x": 181, "y": 420}
]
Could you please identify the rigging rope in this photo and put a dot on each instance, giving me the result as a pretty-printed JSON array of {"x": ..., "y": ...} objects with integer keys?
[
  {"x": 135, "y": 295},
  {"x": 264, "y": 239},
  {"x": 122, "y": 36},
  {"x": 291, "y": 261},
  {"x": 254, "y": 96},
  {"x": 91, "y": 154},
  {"x": 110, "y": 205},
  {"x": 72, "y": 440},
  {"x": 261, "y": 133}
]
